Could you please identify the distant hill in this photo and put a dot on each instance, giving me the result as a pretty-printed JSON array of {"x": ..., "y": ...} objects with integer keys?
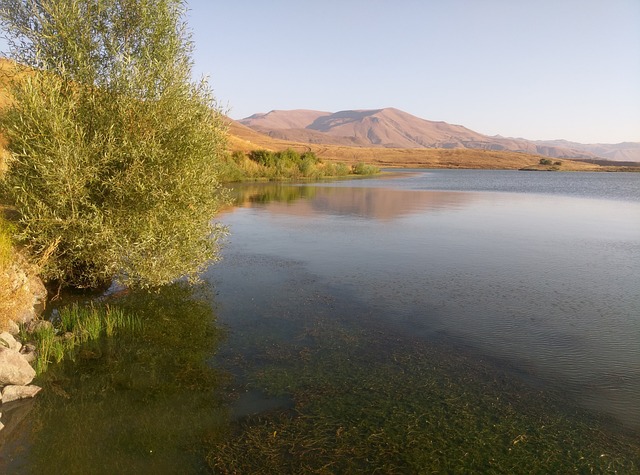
[
  {"x": 621, "y": 152},
  {"x": 245, "y": 139},
  {"x": 393, "y": 128}
]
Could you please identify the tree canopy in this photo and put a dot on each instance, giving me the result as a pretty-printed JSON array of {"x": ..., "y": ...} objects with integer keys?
[{"x": 114, "y": 150}]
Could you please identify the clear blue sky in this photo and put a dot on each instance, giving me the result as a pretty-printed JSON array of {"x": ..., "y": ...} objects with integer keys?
[{"x": 538, "y": 69}]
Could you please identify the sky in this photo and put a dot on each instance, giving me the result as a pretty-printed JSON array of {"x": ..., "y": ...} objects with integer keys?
[{"x": 537, "y": 69}]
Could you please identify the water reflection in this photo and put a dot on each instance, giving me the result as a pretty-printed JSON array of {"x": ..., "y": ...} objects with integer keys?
[
  {"x": 138, "y": 403},
  {"x": 546, "y": 283},
  {"x": 375, "y": 202}
]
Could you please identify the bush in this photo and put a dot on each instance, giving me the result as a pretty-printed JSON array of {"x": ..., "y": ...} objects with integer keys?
[
  {"x": 287, "y": 164},
  {"x": 364, "y": 169},
  {"x": 545, "y": 161},
  {"x": 114, "y": 152}
]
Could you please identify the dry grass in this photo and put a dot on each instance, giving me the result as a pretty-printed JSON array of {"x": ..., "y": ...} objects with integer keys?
[
  {"x": 15, "y": 298},
  {"x": 245, "y": 139}
]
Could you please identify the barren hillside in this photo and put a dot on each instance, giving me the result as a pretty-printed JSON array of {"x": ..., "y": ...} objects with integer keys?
[
  {"x": 242, "y": 138},
  {"x": 393, "y": 128}
]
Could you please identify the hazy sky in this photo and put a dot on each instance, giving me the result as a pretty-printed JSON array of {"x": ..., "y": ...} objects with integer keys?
[{"x": 538, "y": 69}]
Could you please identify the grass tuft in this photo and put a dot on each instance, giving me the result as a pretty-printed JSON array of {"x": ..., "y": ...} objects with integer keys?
[{"x": 79, "y": 324}]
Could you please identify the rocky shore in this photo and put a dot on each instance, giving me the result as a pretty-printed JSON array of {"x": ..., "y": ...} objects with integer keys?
[{"x": 26, "y": 299}]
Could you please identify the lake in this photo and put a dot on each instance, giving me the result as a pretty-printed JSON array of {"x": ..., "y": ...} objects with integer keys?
[{"x": 424, "y": 320}]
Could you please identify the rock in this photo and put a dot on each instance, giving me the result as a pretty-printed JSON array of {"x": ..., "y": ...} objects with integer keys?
[
  {"x": 14, "y": 368},
  {"x": 13, "y": 327},
  {"x": 37, "y": 288},
  {"x": 8, "y": 341},
  {"x": 29, "y": 352},
  {"x": 13, "y": 393}
]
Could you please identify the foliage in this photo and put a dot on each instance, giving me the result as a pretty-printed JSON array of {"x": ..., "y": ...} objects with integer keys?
[
  {"x": 286, "y": 164},
  {"x": 361, "y": 168},
  {"x": 546, "y": 161},
  {"x": 77, "y": 325},
  {"x": 113, "y": 150}
]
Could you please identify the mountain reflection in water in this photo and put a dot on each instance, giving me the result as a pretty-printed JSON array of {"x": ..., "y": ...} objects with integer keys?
[{"x": 376, "y": 203}]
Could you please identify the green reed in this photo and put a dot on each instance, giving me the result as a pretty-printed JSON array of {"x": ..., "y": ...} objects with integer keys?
[{"x": 78, "y": 324}]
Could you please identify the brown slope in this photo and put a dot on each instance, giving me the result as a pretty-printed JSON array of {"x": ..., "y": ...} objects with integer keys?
[
  {"x": 276, "y": 119},
  {"x": 242, "y": 138},
  {"x": 394, "y": 129}
]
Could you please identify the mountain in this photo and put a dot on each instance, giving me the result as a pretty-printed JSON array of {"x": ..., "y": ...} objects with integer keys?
[
  {"x": 393, "y": 128},
  {"x": 621, "y": 152},
  {"x": 388, "y": 127}
]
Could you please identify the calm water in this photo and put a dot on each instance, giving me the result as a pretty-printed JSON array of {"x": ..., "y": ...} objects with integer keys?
[
  {"x": 546, "y": 280},
  {"x": 528, "y": 279}
]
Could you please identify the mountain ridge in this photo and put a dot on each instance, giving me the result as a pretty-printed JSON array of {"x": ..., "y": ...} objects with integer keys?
[{"x": 393, "y": 128}]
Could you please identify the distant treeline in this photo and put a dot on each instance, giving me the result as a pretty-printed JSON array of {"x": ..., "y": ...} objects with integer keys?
[{"x": 285, "y": 165}]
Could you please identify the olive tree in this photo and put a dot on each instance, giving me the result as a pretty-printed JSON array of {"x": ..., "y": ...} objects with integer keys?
[{"x": 113, "y": 148}]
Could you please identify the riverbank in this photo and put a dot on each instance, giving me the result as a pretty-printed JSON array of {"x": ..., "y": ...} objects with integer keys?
[{"x": 22, "y": 297}]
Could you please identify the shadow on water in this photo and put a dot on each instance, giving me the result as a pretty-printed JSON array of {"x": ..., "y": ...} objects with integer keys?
[{"x": 135, "y": 403}]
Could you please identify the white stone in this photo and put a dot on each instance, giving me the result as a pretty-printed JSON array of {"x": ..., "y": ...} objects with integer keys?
[
  {"x": 13, "y": 393},
  {"x": 14, "y": 368},
  {"x": 7, "y": 340}
]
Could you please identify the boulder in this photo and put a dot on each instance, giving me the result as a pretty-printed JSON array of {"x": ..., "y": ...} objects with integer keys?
[
  {"x": 14, "y": 368},
  {"x": 14, "y": 393},
  {"x": 8, "y": 341}
]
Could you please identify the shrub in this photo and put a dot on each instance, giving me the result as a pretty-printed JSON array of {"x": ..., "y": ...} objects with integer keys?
[
  {"x": 263, "y": 157},
  {"x": 364, "y": 169},
  {"x": 114, "y": 152}
]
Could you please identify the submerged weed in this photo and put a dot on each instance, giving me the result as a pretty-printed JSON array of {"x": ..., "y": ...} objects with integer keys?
[{"x": 368, "y": 403}]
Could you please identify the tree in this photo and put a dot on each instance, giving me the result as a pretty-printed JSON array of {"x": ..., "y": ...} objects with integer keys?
[{"x": 113, "y": 149}]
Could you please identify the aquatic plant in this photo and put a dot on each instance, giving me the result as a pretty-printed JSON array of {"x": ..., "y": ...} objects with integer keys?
[
  {"x": 372, "y": 401},
  {"x": 76, "y": 325}
]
